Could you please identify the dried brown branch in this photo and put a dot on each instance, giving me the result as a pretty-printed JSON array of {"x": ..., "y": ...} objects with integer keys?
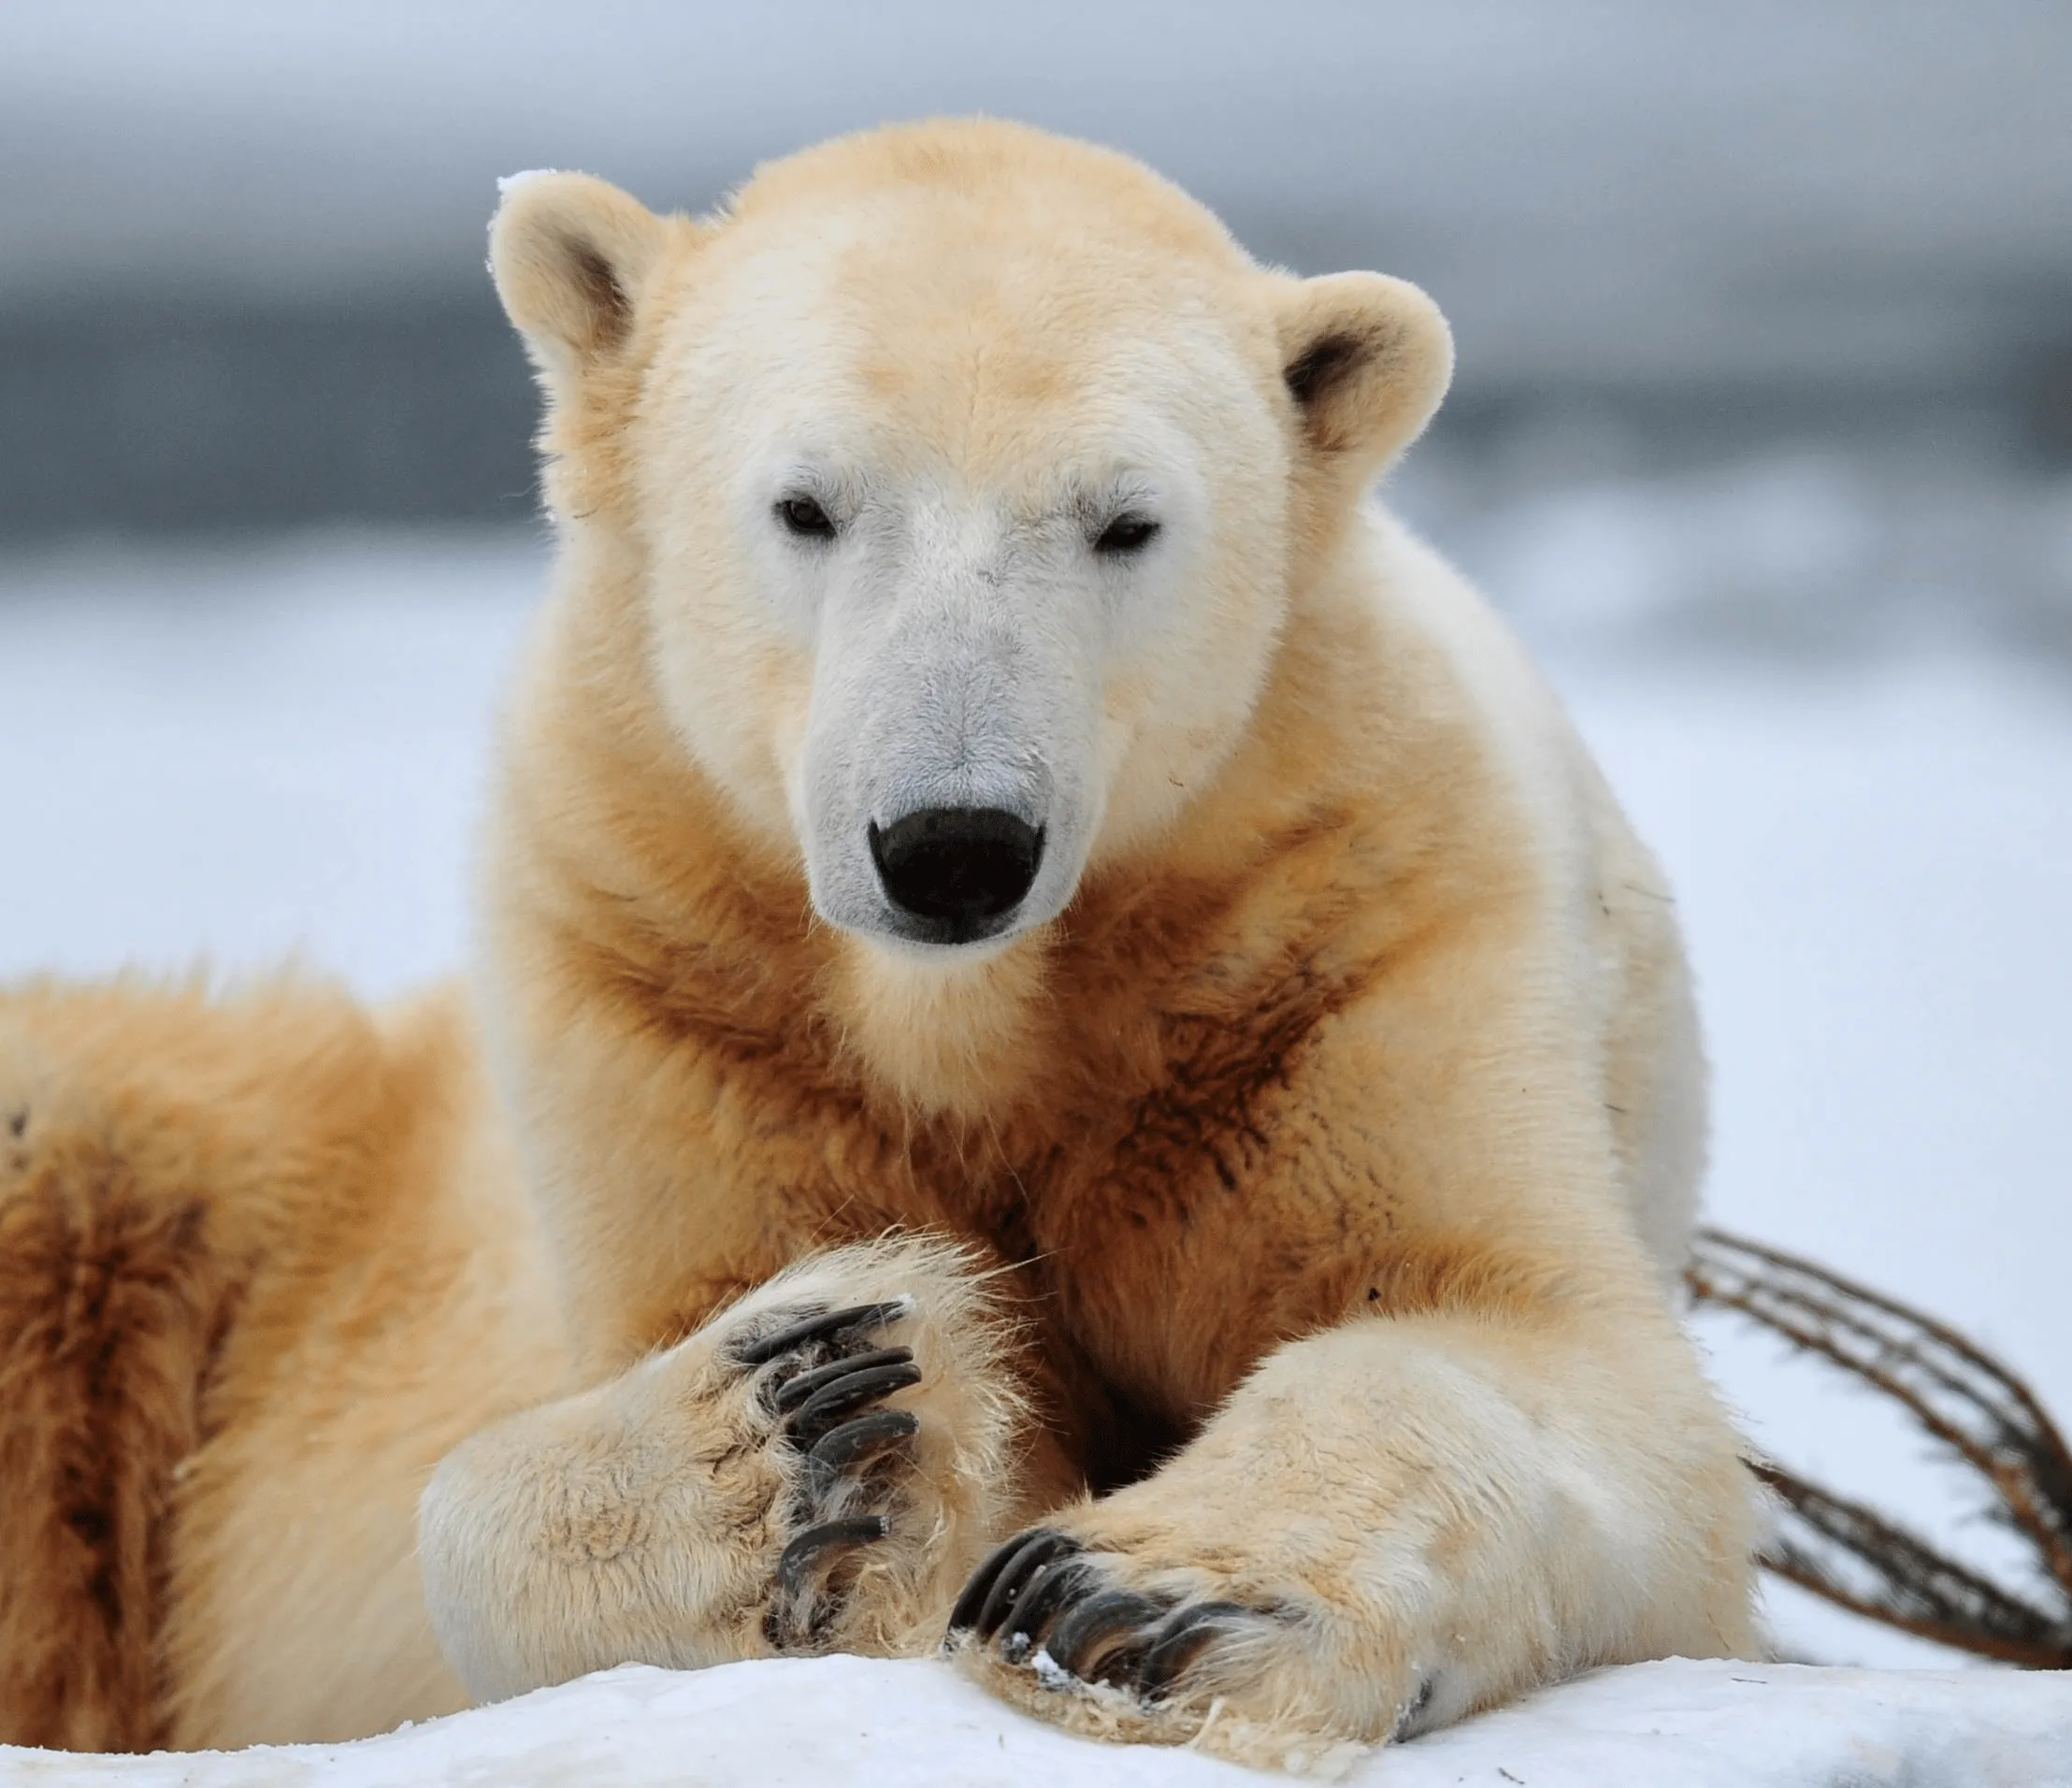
[
  {"x": 1854, "y": 1557},
  {"x": 1975, "y": 1411}
]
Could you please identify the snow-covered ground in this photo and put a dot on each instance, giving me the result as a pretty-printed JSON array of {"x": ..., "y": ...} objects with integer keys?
[
  {"x": 242, "y": 753},
  {"x": 855, "y": 1723}
]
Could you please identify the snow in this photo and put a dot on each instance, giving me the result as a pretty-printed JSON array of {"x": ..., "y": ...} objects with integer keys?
[
  {"x": 1875, "y": 871},
  {"x": 831, "y": 1722},
  {"x": 246, "y": 754},
  {"x": 241, "y": 751}
]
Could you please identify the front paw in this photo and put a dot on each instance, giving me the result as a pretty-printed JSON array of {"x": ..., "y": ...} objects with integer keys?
[
  {"x": 816, "y": 1469},
  {"x": 1129, "y": 1637},
  {"x": 818, "y": 1381},
  {"x": 885, "y": 1509},
  {"x": 1043, "y": 1600}
]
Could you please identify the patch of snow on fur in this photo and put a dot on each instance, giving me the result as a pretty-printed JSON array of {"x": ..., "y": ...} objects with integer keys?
[
  {"x": 508, "y": 183},
  {"x": 1052, "y": 1673}
]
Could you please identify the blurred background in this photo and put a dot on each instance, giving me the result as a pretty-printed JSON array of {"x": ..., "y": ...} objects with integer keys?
[{"x": 1763, "y": 436}]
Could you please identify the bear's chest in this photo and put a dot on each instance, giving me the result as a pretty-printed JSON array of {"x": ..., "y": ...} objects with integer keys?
[{"x": 1170, "y": 1245}]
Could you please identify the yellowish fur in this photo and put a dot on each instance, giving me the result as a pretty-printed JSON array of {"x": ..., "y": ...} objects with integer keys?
[
  {"x": 326, "y": 1202},
  {"x": 1286, "y": 1218}
]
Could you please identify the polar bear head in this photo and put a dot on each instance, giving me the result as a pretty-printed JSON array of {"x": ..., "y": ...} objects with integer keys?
[{"x": 963, "y": 475}]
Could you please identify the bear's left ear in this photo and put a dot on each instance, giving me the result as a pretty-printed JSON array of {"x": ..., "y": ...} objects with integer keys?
[{"x": 1366, "y": 358}]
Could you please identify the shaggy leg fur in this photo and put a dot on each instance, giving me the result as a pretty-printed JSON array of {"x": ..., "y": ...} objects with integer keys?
[
  {"x": 1386, "y": 1527},
  {"x": 110, "y": 1303},
  {"x": 816, "y": 1469}
]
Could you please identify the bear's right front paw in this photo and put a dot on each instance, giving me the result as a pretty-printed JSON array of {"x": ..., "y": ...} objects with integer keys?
[
  {"x": 749, "y": 1489},
  {"x": 817, "y": 1377}
]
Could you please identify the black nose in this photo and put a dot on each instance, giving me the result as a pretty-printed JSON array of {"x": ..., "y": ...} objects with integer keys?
[{"x": 959, "y": 868}]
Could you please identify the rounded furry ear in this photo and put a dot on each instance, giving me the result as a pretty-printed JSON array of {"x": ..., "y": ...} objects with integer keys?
[
  {"x": 569, "y": 253},
  {"x": 1366, "y": 358}
]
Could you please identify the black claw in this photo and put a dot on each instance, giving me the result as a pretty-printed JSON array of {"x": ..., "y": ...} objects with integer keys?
[
  {"x": 838, "y": 1449},
  {"x": 850, "y": 1392},
  {"x": 1414, "y": 1710},
  {"x": 813, "y": 1328},
  {"x": 794, "y": 1391},
  {"x": 795, "y": 1563},
  {"x": 987, "y": 1598},
  {"x": 1059, "y": 1582},
  {"x": 1080, "y": 1631},
  {"x": 1120, "y": 1664},
  {"x": 1183, "y": 1638}
]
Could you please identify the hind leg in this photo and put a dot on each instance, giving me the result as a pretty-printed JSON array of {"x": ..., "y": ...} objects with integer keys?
[
  {"x": 108, "y": 1298},
  {"x": 816, "y": 1469}
]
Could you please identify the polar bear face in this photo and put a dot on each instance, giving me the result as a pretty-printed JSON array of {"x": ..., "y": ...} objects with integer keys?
[
  {"x": 969, "y": 474},
  {"x": 1004, "y": 547}
]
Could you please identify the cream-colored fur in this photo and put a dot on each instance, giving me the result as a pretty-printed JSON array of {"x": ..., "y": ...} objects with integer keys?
[
  {"x": 1334, "y": 1112},
  {"x": 1277, "y": 1204},
  {"x": 591, "y": 1495},
  {"x": 264, "y": 1257}
]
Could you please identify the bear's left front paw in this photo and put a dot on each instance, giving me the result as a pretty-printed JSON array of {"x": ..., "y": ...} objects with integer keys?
[
  {"x": 1040, "y": 1601},
  {"x": 1103, "y": 1639}
]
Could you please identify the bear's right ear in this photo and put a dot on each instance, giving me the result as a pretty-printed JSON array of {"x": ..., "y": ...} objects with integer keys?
[{"x": 569, "y": 253}]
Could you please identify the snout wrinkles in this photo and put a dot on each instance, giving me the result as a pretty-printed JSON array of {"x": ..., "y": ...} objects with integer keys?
[
  {"x": 947, "y": 704},
  {"x": 957, "y": 718}
]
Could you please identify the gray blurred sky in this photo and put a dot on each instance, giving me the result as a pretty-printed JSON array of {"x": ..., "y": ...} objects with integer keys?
[{"x": 1624, "y": 190}]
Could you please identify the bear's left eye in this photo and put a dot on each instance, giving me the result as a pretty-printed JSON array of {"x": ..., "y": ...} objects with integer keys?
[
  {"x": 1127, "y": 533},
  {"x": 804, "y": 517}
]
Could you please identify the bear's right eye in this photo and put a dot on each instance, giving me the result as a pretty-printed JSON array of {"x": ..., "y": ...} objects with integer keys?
[{"x": 804, "y": 517}]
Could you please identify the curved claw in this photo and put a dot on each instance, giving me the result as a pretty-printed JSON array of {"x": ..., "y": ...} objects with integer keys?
[
  {"x": 838, "y": 1449},
  {"x": 1184, "y": 1636},
  {"x": 992, "y": 1589},
  {"x": 864, "y": 1317},
  {"x": 794, "y": 1391},
  {"x": 1056, "y": 1584},
  {"x": 796, "y": 1562},
  {"x": 1080, "y": 1631},
  {"x": 849, "y": 1391}
]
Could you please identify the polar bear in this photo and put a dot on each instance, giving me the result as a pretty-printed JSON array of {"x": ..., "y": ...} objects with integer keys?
[
  {"x": 992, "y": 798},
  {"x": 1093, "y": 1076}
]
